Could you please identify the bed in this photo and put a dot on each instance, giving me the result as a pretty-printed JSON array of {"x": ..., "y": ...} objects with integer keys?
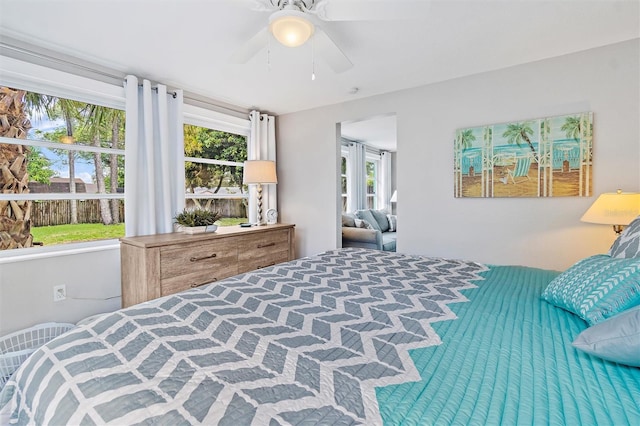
[{"x": 349, "y": 336}]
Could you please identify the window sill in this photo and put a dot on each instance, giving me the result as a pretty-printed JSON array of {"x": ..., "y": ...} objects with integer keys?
[{"x": 19, "y": 255}]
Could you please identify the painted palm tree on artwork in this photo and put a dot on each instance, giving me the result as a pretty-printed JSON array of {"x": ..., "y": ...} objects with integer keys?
[
  {"x": 517, "y": 133},
  {"x": 467, "y": 138},
  {"x": 572, "y": 127}
]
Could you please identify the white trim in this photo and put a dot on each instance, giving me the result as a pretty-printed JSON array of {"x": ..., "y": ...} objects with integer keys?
[
  {"x": 41, "y": 196},
  {"x": 210, "y": 161},
  {"x": 202, "y": 117},
  {"x": 60, "y": 145},
  {"x": 43, "y": 80},
  {"x": 192, "y": 196},
  {"x": 32, "y": 253}
]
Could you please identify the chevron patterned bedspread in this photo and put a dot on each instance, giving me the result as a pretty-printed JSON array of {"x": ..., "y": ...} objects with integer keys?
[{"x": 304, "y": 342}]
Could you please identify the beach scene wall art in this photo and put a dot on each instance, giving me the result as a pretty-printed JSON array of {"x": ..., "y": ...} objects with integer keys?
[{"x": 544, "y": 157}]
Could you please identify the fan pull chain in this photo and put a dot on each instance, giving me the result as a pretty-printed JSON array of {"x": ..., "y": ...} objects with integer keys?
[
  {"x": 313, "y": 58},
  {"x": 269, "y": 53}
]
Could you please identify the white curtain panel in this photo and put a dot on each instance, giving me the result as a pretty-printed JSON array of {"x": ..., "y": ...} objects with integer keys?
[
  {"x": 356, "y": 177},
  {"x": 154, "y": 157},
  {"x": 384, "y": 194},
  {"x": 262, "y": 146}
]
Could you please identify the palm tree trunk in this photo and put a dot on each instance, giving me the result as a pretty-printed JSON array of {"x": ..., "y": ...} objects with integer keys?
[
  {"x": 105, "y": 212},
  {"x": 72, "y": 170},
  {"x": 15, "y": 222},
  {"x": 526, "y": 138},
  {"x": 115, "y": 204}
]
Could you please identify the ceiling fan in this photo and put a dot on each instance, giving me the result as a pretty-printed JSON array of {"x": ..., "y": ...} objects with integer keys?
[{"x": 294, "y": 22}]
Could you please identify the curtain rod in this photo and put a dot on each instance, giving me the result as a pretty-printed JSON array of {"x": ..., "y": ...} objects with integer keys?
[{"x": 24, "y": 51}]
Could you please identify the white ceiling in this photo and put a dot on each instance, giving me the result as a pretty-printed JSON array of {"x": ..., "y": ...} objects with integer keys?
[
  {"x": 187, "y": 43},
  {"x": 378, "y": 132}
]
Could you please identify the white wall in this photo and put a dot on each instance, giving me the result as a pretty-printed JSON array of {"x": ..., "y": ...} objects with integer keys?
[
  {"x": 26, "y": 288},
  {"x": 535, "y": 232}
]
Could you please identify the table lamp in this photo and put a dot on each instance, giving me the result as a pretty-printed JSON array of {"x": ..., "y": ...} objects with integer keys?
[
  {"x": 259, "y": 172},
  {"x": 614, "y": 208}
]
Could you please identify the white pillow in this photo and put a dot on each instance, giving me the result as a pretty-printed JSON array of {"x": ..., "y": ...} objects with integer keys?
[{"x": 615, "y": 339}]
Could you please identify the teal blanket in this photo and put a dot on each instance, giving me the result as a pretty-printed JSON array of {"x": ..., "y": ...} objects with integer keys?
[{"x": 508, "y": 359}]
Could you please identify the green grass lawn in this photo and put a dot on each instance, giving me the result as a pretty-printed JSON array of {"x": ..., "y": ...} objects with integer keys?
[{"x": 61, "y": 234}]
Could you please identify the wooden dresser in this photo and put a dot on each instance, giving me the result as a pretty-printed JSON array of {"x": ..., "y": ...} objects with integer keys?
[{"x": 158, "y": 265}]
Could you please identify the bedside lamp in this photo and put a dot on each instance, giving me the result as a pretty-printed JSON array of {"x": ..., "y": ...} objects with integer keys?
[
  {"x": 259, "y": 172},
  {"x": 614, "y": 208}
]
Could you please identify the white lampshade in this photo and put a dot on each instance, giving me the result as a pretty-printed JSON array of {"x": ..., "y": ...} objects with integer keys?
[
  {"x": 614, "y": 208},
  {"x": 259, "y": 171},
  {"x": 290, "y": 27},
  {"x": 394, "y": 197}
]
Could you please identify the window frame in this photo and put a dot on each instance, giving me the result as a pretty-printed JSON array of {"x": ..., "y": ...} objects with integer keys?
[
  {"x": 40, "y": 79},
  {"x": 375, "y": 159},
  {"x": 344, "y": 153},
  {"x": 210, "y": 119}
]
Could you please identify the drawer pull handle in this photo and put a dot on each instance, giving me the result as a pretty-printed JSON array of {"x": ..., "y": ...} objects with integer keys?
[
  {"x": 198, "y": 285},
  {"x": 266, "y": 245},
  {"x": 266, "y": 266},
  {"x": 197, "y": 259}
]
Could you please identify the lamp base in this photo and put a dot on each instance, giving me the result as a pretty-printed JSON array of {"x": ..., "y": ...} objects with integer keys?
[
  {"x": 259, "y": 215},
  {"x": 618, "y": 229}
]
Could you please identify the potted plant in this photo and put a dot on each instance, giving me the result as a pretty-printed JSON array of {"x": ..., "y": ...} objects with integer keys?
[{"x": 195, "y": 221}]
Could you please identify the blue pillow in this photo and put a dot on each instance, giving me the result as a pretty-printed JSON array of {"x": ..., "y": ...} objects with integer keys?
[
  {"x": 597, "y": 287},
  {"x": 381, "y": 218},
  {"x": 368, "y": 216},
  {"x": 615, "y": 339}
]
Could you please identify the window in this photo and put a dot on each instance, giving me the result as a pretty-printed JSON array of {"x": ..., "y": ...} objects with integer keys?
[
  {"x": 372, "y": 168},
  {"x": 344, "y": 162},
  {"x": 213, "y": 172},
  {"x": 64, "y": 170}
]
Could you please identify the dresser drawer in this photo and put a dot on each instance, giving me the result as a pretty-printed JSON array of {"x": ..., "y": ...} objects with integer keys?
[
  {"x": 182, "y": 268},
  {"x": 262, "y": 250}
]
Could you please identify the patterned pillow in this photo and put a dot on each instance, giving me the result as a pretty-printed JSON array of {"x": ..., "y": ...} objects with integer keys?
[
  {"x": 616, "y": 339},
  {"x": 627, "y": 245},
  {"x": 359, "y": 223},
  {"x": 393, "y": 222},
  {"x": 597, "y": 287}
]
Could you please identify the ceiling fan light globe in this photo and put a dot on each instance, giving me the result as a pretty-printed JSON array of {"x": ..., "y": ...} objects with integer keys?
[{"x": 290, "y": 28}]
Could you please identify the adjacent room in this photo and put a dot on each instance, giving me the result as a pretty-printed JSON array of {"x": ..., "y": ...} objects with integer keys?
[{"x": 200, "y": 222}]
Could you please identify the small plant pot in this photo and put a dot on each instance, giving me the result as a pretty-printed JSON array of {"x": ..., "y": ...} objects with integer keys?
[{"x": 198, "y": 229}]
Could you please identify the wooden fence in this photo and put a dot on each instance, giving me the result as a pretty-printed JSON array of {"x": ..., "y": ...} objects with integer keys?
[
  {"x": 58, "y": 212},
  {"x": 228, "y": 207}
]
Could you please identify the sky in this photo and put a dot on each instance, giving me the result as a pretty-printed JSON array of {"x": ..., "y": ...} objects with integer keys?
[{"x": 84, "y": 170}]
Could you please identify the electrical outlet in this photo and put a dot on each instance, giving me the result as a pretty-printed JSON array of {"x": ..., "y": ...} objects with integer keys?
[{"x": 59, "y": 293}]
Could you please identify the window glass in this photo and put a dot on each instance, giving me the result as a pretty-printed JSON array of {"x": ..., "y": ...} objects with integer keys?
[
  {"x": 343, "y": 182},
  {"x": 213, "y": 172},
  {"x": 64, "y": 175},
  {"x": 372, "y": 184}
]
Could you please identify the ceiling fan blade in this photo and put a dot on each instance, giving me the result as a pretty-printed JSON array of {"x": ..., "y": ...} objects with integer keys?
[
  {"x": 331, "y": 53},
  {"x": 251, "y": 48},
  {"x": 371, "y": 10},
  {"x": 259, "y": 5}
]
